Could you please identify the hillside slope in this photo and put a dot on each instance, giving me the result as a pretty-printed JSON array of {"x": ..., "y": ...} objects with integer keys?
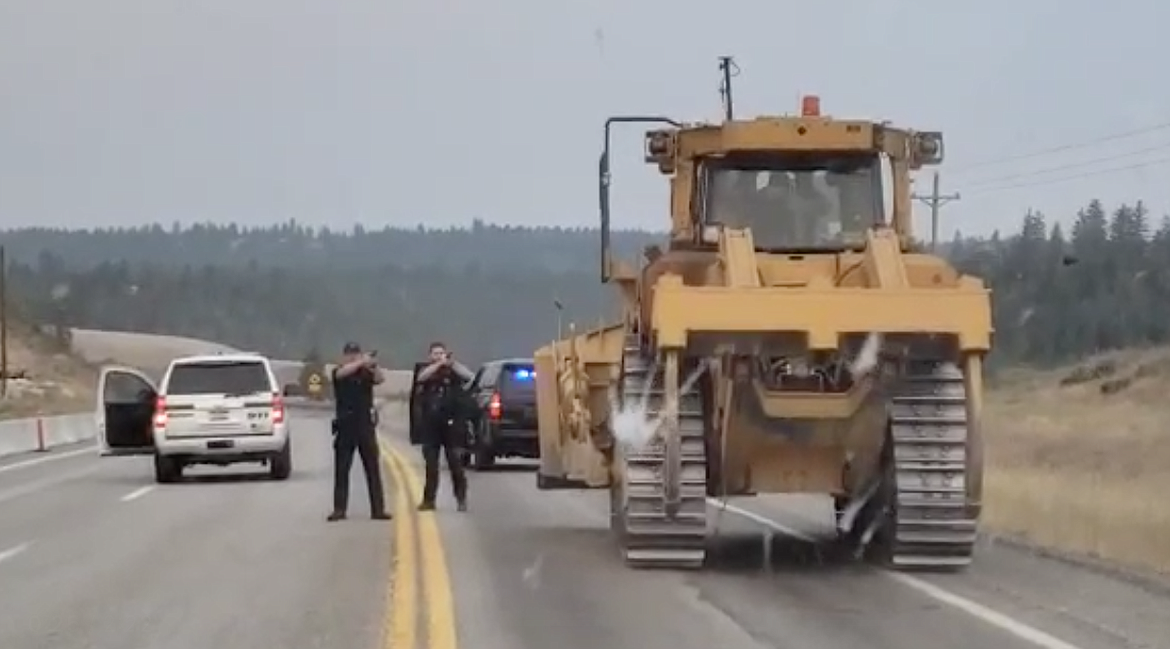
[
  {"x": 49, "y": 381},
  {"x": 148, "y": 352},
  {"x": 44, "y": 379},
  {"x": 1079, "y": 459}
]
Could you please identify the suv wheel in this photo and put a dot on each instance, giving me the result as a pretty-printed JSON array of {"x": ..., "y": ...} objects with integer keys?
[
  {"x": 483, "y": 455},
  {"x": 280, "y": 467},
  {"x": 167, "y": 469}
]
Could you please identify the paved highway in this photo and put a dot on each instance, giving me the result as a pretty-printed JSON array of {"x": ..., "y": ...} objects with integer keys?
[
  {"x": 97, "y": 556},
  {"x": 94, "y": 555}
]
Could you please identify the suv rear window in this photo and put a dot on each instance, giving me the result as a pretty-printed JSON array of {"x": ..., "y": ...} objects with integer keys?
[
  {"x": 219, "y": 377},
  {"x": 518, "y": 379}
]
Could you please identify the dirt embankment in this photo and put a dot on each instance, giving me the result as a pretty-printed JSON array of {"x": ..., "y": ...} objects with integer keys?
[
  {"x": 47, "y": 380},
  {"x": 44, "y": 378},
  {"x": 1079, "y": 459}
]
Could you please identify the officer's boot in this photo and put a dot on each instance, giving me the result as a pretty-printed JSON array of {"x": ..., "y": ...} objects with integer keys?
[
  {"x": 428, "y": 499},
  {"x": 460, "y": 487}
]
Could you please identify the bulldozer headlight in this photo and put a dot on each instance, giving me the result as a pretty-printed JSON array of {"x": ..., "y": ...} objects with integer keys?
[
  {"x": 928, "y": 147},
  {"x": 659, "y": 146}
]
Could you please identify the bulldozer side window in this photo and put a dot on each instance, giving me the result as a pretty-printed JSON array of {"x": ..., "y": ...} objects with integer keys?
[{"x": 128, "y": 401}]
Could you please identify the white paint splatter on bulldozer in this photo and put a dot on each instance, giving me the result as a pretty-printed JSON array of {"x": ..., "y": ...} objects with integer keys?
[
  {"x": 632, "y": 424},
  {"x": 867, "y": 357},
  {"x": 634, "y": 427}
]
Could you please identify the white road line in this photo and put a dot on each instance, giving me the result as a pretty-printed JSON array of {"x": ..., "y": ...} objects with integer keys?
[
  {"x": 5, "y": 555},
  {"x": 48, "y": 458},
  {"x": 138, "y": 493},
  {"x": 974, "y": 609},
  {"x": 990, "y": 616}
]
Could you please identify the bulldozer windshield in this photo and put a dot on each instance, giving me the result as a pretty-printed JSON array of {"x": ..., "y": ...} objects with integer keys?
[{"x": 795, "y": 202}]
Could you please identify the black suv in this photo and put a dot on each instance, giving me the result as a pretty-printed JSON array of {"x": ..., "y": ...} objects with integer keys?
[{"x": 505, "y": 391}]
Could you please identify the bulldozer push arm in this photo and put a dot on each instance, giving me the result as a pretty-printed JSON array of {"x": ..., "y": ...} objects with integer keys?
[{"x": 818, "y": 310}]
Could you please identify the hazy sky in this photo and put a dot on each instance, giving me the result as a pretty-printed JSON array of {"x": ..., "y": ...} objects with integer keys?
[{"x": 402, "y": 111}]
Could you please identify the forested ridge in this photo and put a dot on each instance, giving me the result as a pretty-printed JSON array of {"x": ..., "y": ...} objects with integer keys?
[
  {"x": 490, "y": 290},
  {"x": 291, "y": 244}
]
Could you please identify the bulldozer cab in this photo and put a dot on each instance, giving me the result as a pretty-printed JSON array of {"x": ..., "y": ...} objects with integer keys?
[
  {"x": 806, "y": 202},
  {"x": 800, "y": 183}
]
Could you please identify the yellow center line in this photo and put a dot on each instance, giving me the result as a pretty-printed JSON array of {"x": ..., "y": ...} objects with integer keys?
[
  {"x": 401, "y": 617},
  {"x": 440, "y": 604}
]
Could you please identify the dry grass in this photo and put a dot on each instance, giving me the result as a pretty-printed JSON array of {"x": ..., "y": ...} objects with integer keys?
[
  {"x": 56, "y": 383},
  {"x": 1077, "y": 470}
]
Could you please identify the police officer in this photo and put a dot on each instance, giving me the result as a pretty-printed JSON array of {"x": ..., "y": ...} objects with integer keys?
[
  {"x": 353, "y": 429},
  {"x": 442, "y": 395}
]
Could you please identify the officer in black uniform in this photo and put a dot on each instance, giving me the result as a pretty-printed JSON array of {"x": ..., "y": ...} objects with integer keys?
[
  {"x": 353, "y": 429},
  {"x": 441, "y": 390}
]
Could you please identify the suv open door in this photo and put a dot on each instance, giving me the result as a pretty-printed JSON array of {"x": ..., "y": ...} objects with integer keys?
[
  {"x": 416, "y": 419},
  {"x": 125, "y": 412}
]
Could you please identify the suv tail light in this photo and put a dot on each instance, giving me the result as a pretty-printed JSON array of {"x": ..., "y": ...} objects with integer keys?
[
  {"x": 160, "y": 412},
  {"x": 277, "y": 408},
  {"x": 494, "y": 406}
]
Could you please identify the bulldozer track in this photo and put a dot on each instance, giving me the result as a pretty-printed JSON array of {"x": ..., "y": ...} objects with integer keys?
[
  {"x": 650, "y": 536},
  {"x": 931, "y": 525}
]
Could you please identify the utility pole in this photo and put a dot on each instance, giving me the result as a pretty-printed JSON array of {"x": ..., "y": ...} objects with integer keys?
[
  {"x": 3, "y": 324},
  {"x": 934, "y": 200},
  {"x": 729, "y": 69},
  {"x": 560, "y": 314}
]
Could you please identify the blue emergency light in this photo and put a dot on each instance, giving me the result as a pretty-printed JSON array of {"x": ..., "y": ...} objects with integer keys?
[{"x": 524, "y": 375}]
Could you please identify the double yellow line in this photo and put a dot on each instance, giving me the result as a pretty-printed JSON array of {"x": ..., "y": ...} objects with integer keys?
[{"x": 416, "y": 534}]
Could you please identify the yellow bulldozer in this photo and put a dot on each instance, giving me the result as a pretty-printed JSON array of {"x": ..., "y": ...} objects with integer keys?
[{"x": 791, "y": 338}]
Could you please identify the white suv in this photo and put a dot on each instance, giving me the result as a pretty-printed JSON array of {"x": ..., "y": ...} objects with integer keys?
[{"x": 215, "y": 409}]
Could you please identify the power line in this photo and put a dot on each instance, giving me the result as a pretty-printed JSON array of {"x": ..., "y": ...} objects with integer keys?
[
  {"x": 1090, "y": 174},
  {"x": 1066, "y": 147},
  {"x": 1073, "y": 165}
]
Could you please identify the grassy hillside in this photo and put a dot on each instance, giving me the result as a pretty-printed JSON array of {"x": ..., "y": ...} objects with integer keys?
[
  {"x": 1079, "y": 458},
  {"x": 46, "y": 379}
]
